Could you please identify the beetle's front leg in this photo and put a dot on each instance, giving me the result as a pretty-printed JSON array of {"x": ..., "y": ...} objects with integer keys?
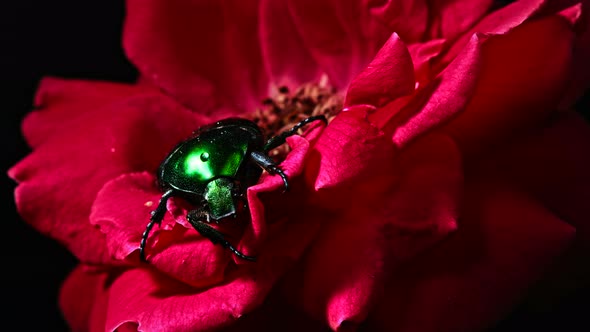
[
  {"x": 196, "y": 218},
  {"x": 156, "y": 218},
  {"x": 269, "y": 165}
]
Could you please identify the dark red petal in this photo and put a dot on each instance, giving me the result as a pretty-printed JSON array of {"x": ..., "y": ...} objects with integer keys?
[
  {"x": 440, "y": 100},
  {"x": 122, "y": 210},
  {"x": 522, "y": 80},
  {"x": 504, "y": 243},
  {"x": 342, "y": 36},
  {"x": 276, "y": 314},
  {"x": 390, "y": 75},
  {"x": 82, "y": 300},
  {"x": 204, "y": 53},
  {"x": 580, "y": 81},
  {"x": 424, "y": 206},
  {"x": 346, "y": 266},
  {"x": 497, "y": 22},
  {"x": 422, "y": 53},
  {"x": 59, "y": 180},
  {"x": 552, "y": 163}
]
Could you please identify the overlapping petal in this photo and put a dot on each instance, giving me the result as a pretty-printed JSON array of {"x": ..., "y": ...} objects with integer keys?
[
  {"x": 522, "y": 80},
  {"x": 57, "y": 188},
  {"x": 487, "y": 258}
]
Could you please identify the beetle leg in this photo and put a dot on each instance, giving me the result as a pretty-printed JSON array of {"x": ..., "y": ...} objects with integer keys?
[
  {"x": 281, "y": 138},
  {"x": 156, "y": 218},
  {"x": 269, "y": 165},
  {"x": 196, "y": 217}
]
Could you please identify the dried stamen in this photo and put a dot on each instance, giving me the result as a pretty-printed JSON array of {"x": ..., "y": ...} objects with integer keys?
[{"x": 287, "y": 109}]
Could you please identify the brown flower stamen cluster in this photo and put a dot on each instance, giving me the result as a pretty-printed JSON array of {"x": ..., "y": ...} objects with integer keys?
[{"x": 287, "y": 109}]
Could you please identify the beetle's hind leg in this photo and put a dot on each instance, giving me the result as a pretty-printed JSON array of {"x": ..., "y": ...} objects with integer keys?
[
  {"x": 156, "y": 218},
  {"x": 196, "y": 218},
  {"x": 281, "y": 138}
]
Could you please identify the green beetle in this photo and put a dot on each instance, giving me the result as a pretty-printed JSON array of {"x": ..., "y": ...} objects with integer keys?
[{"x": 212, "y": 170}]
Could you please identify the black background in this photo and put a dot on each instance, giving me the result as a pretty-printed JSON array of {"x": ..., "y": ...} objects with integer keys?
[{"x": 81, "y": 39}]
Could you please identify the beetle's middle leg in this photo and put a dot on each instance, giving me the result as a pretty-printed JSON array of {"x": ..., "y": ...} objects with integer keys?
[
  {"x": 197, "y": 217},
  {"x": 156, "y": 218}
]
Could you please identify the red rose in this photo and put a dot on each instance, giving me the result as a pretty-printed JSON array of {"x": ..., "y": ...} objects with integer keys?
[{"x": 452, "y": 179}]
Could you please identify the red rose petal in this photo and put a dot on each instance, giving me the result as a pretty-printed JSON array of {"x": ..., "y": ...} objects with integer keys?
[
  {"x": 416, "y": 21},
  {"x": 581, "y": 76},
  {"x": 204, "y": 53},
  {"x": 257, "y": 231},
  {"x": 122, "y": 210},
  {"x": 345, "y": 267},
  {"x": 341, "y": 36},
  {"x": 421, "y": 54},
  {"x": 440, "y": 100},
  {"x": 60, "y": 102},
  {"x": 552, "y": 163},
  {"x": 450, "y": 18},
  {"x": 287, "y": 60},
  {"x": 59, "y": 180},
  {"x": 157, "y": 303},
  {"x": 388, "y": 76},
  {"x": 504, "y": 243},
  {"x": 407, "y": 18},
  {"x": 348, "y": 149},
  {"x": 497, "y": 22},
  {"x": 82, "y": 300},
  {"x": 535, "y": 58}
]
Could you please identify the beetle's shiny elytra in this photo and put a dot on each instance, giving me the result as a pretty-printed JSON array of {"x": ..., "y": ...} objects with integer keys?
[{"x": 212, "y": 170}]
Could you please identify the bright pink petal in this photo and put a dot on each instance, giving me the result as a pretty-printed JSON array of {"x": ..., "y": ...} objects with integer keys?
[
  {"x": 346, "y": 267},
  {"x": 59, "y": 180},
  {"x": 122, "y": 210},
  {"x": 59, "y": 102},
  {"x": 388, "y": 76},
  {"x": 523, "y": 76},
  {"x": 342, "y": 36},
  {"x": 349, "y": 149},
  {"x": 504, "y": 243},
  {"x": 83, "y": 298},
  {"x": 440, "y": 100},
  {"x": 258, "y": 230},
  {"x": 157, "y": 303},
  {"x": 204, "y": 53}
]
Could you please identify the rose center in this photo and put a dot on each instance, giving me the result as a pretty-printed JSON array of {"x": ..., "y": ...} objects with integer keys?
[{"x": 287, "y": 108}]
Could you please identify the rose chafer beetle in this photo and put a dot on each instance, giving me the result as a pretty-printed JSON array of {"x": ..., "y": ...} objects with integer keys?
[{"x": 212, "y": 170}]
